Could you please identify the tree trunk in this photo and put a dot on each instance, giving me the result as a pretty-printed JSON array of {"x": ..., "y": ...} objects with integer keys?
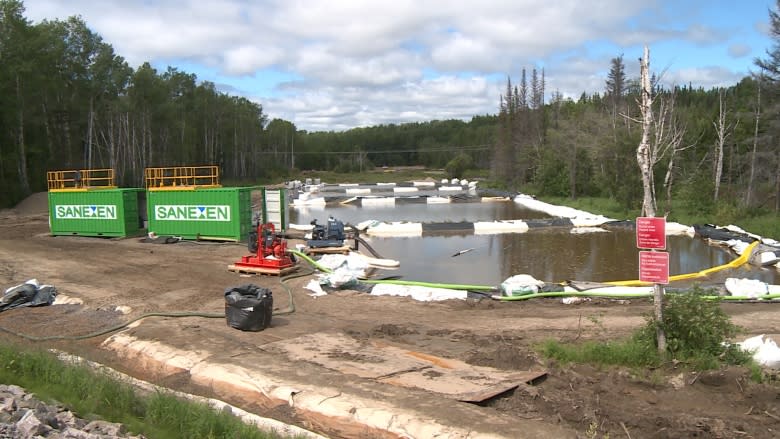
[
  {"x": 721, "y": 130},
  {"x": 777, "y": 185},
  {"x": 749, "y": 195},
  {"x": 573, "y": 172},
  {"x": 90, "y": 129},
  {"x": 643, "y": 153},
  {"x": 669, "y": 180},
  {"x": 47, "y": 128},
  {"x": 645, "y": 161},
  {"x": 24, "y": 182}
]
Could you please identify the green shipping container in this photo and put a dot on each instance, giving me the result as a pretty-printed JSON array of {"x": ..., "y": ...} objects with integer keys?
[
  {"x": 99, "y": 212},
  {"x": 222, "y": 214}
]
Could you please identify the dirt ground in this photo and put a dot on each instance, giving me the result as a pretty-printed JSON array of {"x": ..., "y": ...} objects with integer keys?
[{"x": 569, "y": 401}]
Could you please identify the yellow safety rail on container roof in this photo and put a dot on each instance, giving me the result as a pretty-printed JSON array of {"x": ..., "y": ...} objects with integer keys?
[
  {"x": 741, "y": 260},
  {"x": 181, "y": 178},
  {"x": 80, "y": 180}
]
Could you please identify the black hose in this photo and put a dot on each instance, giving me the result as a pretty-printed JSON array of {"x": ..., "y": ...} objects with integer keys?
[
  {"x": 370, "y": 249},
  {"x": 112, "y": 328},
  {"x": 282, "y": 281}
]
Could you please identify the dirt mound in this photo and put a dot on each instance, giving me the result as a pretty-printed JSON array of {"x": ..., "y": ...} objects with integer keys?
[{"x": 35, "y": 204}]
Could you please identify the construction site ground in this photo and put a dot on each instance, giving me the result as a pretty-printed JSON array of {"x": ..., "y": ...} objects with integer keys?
[{"x": 353, "y": 365}]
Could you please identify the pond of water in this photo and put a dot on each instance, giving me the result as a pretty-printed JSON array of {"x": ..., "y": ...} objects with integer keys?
[{"x": 548, "y": 254}]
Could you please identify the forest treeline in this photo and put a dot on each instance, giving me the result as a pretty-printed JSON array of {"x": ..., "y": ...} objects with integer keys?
[{"x": 68, "y": 101}]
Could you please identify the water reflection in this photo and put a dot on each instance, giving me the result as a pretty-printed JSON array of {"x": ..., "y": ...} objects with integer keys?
[
  {"x": 552, "y": 255},
  {"x": 415, "y": 212}
]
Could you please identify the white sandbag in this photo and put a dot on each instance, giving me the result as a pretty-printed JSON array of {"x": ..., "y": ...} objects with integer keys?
[
  {"x": 768, "y": 258},
  {"x": 358, "y": 191},
  {"x": 589, "y": 220},
  {"x": 753, "y": 288},
  {"x": 520, "y": 285},
  {"x": 315, "y": 288},
  {"x": 395, "y": 229},
  {"x": 764, "y": 350},
  {"x": 677, "y": 229},
  {"x": 421, "y": 293},
  {"x": 437, "y": 200},
  {"x": 584, "y": 230},
  {"x": 503, "y": 226}
]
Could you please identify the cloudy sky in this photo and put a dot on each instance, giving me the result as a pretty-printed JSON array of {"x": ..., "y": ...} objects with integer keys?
[{"x": 339, "y": 64}]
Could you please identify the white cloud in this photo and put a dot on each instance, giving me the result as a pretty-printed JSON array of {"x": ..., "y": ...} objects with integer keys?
[
  {"x": 245, "y": 60},
  {"x": 739, "y": 50},
  {"x": 439, "y": 98},
  {"x": 706, "y": 77},
  {"x": 353, "y": 62}
]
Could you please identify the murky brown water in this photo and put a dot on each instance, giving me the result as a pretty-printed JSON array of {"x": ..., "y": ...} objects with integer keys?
[{"x": 551, "y": 255}]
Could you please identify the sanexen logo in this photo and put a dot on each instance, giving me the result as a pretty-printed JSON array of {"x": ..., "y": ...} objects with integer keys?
[
  {"x": 85, "y": 211},
  {"x": 191, "y": 213}
]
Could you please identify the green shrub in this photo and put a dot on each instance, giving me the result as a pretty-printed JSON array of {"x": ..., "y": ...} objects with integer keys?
[
  {"x": 697, "y": 330},
  {"x": 457, "y": 167},
  {"x": 697, "y": 333}
]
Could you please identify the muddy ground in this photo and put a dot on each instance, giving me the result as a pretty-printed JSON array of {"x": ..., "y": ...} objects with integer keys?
[{"x": 570, "y": 401}]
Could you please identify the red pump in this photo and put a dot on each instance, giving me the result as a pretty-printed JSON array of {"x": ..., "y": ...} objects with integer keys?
[{"x": 270, "y": 252}]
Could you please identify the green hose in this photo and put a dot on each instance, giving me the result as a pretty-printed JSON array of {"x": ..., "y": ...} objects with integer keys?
[
  {"x": 526, "y": 296},
  {"x": 621, "y": 296}
]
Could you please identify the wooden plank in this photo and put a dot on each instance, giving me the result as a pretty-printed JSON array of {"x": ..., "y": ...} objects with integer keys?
[
  {"x": 328, "y": 250},
  {"x": 394, "y": 365},
  {"x": 261, "y": 270}
]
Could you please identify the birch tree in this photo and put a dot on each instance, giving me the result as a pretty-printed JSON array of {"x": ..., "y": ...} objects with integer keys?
[
  {"x": 723, "y": 131},
  {"x": 646, "y": 156}
]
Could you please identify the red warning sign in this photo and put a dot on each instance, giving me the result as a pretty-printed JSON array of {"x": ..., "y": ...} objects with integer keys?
[
  {"x": 651, "y": 233},
  {"x": 654, "y": 267}
]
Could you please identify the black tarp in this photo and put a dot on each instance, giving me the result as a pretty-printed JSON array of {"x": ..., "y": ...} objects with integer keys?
[
  {"x": 711, "y": 232},
  {"x": 27, "y": 294}
]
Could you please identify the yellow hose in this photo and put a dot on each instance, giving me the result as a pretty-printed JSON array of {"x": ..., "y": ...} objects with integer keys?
[{"x": 738, "y": 262}]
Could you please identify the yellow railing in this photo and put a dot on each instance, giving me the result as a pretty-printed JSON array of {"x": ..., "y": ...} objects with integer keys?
[
  {"x": 80, "y": 179},
  {"x": 181, "y": 177}
]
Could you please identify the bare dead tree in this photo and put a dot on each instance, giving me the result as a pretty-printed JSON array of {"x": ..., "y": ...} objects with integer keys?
[
  {"x": 646, "y": 156},
  {"x": 749, "y": 195},
  {"x": 668, "y": 135},
  {"x": 723, "y": 131}
]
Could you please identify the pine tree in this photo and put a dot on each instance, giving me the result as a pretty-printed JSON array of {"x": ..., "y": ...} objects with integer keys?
[{"x": 770, "y": 65}]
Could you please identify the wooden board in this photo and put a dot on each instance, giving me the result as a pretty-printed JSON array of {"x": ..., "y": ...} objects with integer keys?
[
  {"x": 401, "y": 367},
  {"x": 328, "y": 250},
  {"x": 260, "y": 270}
]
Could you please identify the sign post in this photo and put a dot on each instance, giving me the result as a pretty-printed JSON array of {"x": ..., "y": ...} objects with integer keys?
[
  {"x": 653, "y": 264},
  {"x": 654, "y": 267},
  {"x": 651, "y": 233}
]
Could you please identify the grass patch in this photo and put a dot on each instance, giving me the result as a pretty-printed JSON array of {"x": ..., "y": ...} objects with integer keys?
[
  {"x": 697, "y": 331},
  {"x": 614, "y": 353},
  {"x": 94, "y": 395}
]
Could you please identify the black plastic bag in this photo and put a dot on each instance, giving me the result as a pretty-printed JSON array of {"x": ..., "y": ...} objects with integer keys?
[
  {"x": 27, "y": 294},
  {"x": 248, "y": 307}
]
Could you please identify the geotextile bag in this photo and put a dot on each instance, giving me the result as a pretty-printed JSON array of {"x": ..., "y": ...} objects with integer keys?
[{"x": 248, "y": 307}]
